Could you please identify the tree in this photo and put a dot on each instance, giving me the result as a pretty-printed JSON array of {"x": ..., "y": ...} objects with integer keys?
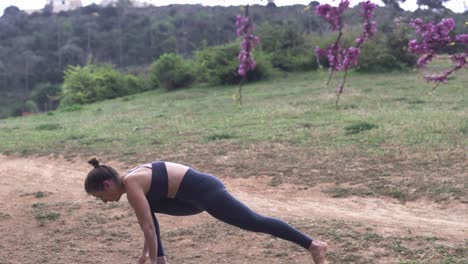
[
  {"x": 394, "y": 4},
  {"x": 432, "y": 4},
  {"x": 314, "y": 4},
  {"x": 71, "y": 54},
  {"x": 46, "y": 96},
  {"x": 3, "y": 76},
  {"x": 11, "y": 11},
  {"x": 271, "y": 4}
]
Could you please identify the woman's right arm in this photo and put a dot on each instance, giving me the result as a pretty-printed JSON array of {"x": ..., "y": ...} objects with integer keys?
[
  {"x": 136, "y": 198},
  {"x": 145, "y": 249},
  {"x": 144, "y": 255},
  {"x": 162, "y": 260}
]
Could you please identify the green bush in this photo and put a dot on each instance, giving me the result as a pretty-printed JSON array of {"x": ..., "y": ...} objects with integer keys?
[
  {"x": 289, "y": 49},
  {"x": 93, "y": 83},
  {"x": 15, "y": 108},
  {"x": 263, "y": 70},
  {"x": 397, "y": 43},
  {"x": 298, "y": 59},
  {"x": 31, "y": 107},
  {"x": 275, "y": 37},
  {"x": 387, "y": 52},
  {"x": 172, "y": 72},
  {"x": 376, "y": 57},
  {"x": 218, "y": 65},
  {"x": 384, "y": 52},
  {"x": 46, "y": 96}
]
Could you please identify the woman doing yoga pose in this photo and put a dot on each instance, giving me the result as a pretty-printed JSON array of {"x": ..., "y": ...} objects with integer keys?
[{"x": 175, "y": 189}]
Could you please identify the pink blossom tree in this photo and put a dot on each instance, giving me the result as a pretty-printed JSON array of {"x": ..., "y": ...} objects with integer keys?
[
  {"x": 249, "y": 41},
  {"x": 434, "y": 37},
  {"x": 340, "y": 58}
]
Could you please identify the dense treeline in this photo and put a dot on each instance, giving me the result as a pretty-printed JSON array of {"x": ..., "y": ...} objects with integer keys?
[{"x": 37, "y": 49}]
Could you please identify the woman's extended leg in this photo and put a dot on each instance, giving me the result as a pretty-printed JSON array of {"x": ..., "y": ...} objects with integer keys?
[
  {"x": 225, "y": 207},
  {"x": 208, "y": 193}
]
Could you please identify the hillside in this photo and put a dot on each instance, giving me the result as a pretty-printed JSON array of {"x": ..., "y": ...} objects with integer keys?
[{"x": 36, "y": 49}]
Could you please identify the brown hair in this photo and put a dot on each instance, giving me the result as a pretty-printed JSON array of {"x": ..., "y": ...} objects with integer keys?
[{"x": 95, "y": 180}]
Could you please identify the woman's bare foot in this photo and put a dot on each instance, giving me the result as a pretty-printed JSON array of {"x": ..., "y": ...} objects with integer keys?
[{"x": 318, "y": 249}]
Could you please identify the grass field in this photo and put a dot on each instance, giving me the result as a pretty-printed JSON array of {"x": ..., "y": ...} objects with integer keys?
[
  {"x": 390, "y": 120},
  {"x": 390, "y": 138}
]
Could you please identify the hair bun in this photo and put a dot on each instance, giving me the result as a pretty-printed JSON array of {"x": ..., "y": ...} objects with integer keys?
[{"x": 94, "y": 162}]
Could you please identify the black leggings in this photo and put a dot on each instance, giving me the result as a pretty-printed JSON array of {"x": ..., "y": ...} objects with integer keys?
[{"x": 200, "y": 192}]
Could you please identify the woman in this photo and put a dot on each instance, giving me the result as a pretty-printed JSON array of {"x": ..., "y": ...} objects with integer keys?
[{"x": 175, "y": 189}]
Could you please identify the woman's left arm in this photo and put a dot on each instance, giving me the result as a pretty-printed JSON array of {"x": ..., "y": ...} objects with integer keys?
[
  {"x": 162, "y": 260},
  {"x": 144, "y": 255},
  {"x": 137, "y": 199}
]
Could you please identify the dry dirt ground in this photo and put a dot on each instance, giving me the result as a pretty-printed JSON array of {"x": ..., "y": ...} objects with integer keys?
[{"x": 45, "y": 217}]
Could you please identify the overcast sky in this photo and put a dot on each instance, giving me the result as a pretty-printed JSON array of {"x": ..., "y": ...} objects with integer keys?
[{"x": 455, "y": 5}]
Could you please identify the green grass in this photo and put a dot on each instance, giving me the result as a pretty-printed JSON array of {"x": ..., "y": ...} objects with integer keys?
[
  {"x": 376, "y": 111},
  {"x": 384, "y": 119}
]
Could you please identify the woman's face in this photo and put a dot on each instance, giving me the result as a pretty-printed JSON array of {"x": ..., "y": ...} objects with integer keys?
[{"x": 110, "y": 193}]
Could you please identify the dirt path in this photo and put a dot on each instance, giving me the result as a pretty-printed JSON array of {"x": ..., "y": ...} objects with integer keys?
[{"x": 60, "y": 183}]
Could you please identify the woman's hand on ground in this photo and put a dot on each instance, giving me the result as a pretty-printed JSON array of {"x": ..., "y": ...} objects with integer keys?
[
  {"x": 161, "y": 260},
  {"x": 142, "y": 259}
]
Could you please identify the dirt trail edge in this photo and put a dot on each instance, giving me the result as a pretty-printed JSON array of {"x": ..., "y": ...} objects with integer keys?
[{"x": 63, "y": 179}]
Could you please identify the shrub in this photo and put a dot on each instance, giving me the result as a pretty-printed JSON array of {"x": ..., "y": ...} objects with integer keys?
[
  {"x": 297, "y": 59},
  {"x": 275, "y": 37},
  {"x": 14, "y": 109},
  {"x": 172, "y": 72},
  {"x": 288, "y": 48},
  {"x": 31, "y": 107},
  {"x": 218, "y": 65},
  {"x": 46, "y": 96},
  {"x": 95, "y": 83},
  {"x": 384, "y": 52},
  {"x": 387, "y": 52},
  {"x": 376, "y": 57},
  {"x": 397, "y": 44}
]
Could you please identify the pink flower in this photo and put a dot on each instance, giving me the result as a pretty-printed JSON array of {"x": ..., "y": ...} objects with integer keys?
[
  {"x": 339, "y": 58},
  {"x": 351, "y": 57},
  {"x": 433, "y": 38},
  {"x": 460, "y": 60},
  {"x": 441, "y": 78},
  {"x": 334, "y": 57},
  {"x": 249, "y": 41},
  {"x": 462, "y": 38},
  {"x": 425, "y": 59},
  {"x": 332, "y": 14},
  {"x": 319, "y": 52}
]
